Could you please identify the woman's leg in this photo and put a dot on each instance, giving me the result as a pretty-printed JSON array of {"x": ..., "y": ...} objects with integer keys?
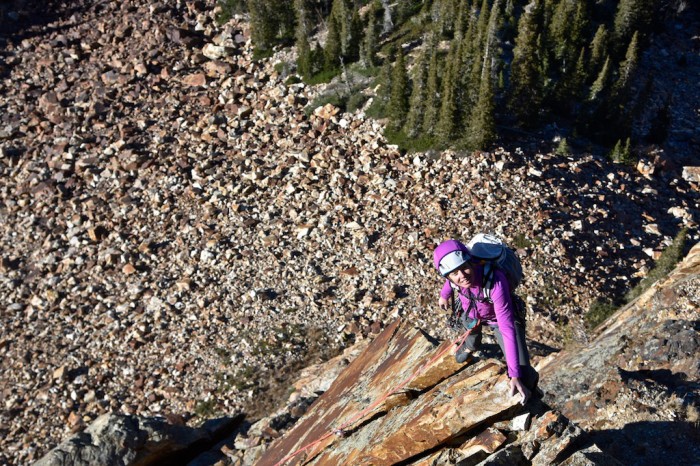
[
  {"x": 529, "y": 374},
  {"x": 471, "y": 343}
]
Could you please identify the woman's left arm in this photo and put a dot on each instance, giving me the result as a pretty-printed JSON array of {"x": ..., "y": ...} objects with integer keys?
[{"x": 505, "y": 317}]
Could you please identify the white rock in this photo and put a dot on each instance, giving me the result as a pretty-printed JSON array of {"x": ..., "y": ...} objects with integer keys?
[
  {"x": 520, "y": 423},
  {"x": 214, "y": 52}
]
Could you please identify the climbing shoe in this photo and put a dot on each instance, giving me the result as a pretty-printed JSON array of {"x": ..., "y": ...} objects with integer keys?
[{"x": 463, "y": 354}]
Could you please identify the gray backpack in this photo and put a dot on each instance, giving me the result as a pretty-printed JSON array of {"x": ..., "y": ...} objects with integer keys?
[{"x": 493, "y": 253}]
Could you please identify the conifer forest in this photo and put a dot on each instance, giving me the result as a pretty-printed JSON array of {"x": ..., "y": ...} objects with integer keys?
[{"x": 464, "y": 73}]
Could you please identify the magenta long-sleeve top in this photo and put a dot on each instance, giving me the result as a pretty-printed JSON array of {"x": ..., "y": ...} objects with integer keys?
[{"x": 500, "y": 312}]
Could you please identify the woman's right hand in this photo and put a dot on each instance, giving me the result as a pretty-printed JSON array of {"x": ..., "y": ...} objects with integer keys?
[
  {"x": 444, "y": 304},
  {"x": 516, "y": 386}
]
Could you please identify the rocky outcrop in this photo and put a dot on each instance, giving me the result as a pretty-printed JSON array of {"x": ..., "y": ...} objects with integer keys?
[
  {"x": 639, "y": 380},
  {"x": 132, "y": 440},
  {"x": 402, "y": 399},
  {"x": 443, "y": 413}
]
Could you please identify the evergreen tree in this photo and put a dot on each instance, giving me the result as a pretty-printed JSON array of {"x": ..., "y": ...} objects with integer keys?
[
  {"x": 580, "y": 75},
  {"x": 628, "y": 66},
  {"x": 398, "y": 102},
  {"x": 467, "y": 61},
  {"x": 510, "y": 24},
  {"x": 525, "y": 91},
  {"x": 417, "y": 102},
  {"x": 432, "y": 94},
  {"x": 332, "y": 50},
  {"x": 318, "y": 59},
  {"x": 371, "y": 39},
  {"x": 565, "y": 34},
  {"x": 355, "y": 38},
  {"x": 632, "y": 15},
  {"x": 600, "y": 86},
  {"x": 477, "y": 50},
  {"x": 482, "y": 127},
  {"x": 616, "y": 154},
  {"x": 462, "y": 19},
  {"x": 599, "y": 48},
  {"x": 448, "y": 103},
  {"x": 271, "y": 21},
  {"x": 385, "y": 77},
  {"x": 620, "y": 153},
  {"x": 560, "y": 27},
  {"x": 304, "y": 54},
  {"x": 342, "y": 12},
  {"x": 446, "y": 11},
  {"x": 263, "y": 29},
  {"x": 481, "y": 26}
]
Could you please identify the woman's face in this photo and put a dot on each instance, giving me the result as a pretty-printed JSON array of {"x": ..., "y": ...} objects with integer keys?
[{"x": 462, "y": 277}]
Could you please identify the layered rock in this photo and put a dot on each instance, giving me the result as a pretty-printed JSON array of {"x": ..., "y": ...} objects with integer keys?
[
  {"x": 639, "y": 380},
  {"x": 443, "y": 412}
]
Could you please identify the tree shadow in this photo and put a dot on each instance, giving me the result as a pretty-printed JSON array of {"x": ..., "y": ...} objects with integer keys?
[
  {"x": 621, "y": 214},
  {"x": 23, "y": 20}
]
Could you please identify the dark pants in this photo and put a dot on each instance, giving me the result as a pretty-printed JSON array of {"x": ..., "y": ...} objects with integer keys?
[{"x": 529, "y": 375}]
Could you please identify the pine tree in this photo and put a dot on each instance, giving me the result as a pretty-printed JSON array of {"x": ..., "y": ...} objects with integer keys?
[
  {"x": 477, "y": 50},
  {"x": 462, "y": 19},
  {"x": 286, "y": 20},
  {"x": 448, "y": 105},
  {"x": 510, "y": 24},
  {"x": 467, "y": 61},
  {"x": 385, "y": 77},
  {"x": 341, "y": 11},
  {"x": 355, "y": 38},
  {"x": 565, "y": 35},
  {"x": 432, "y": 94},
  {"x": 600, "y": 86},
  {"x": 304, "y": 54},
  {"x": 559, "y": 28},
  {"x": 632, "y": 15},
  {"x": 262, "y": 25},
  {"x": 482, "y": 127},
  {"x": 481, "y": 130},
  {"x": 332, "y": 50},
  {"x": 616, "y": 154},
  {"x": 318, "y": 59},
  {"x": 628, "y": 66},
  {"x": 371, "y": 39},
  {"x": 580, "y": 75},
  {"x": 398, "y": 102},
  {"x": 446, "y": 11},
  {"x": 525, "y": 91},
  {"x": 271, "y": 21},
  {"x": 620, "y": 153},
  {"x": 417, "y": 102},
  {"x": 599, "y": 48}
]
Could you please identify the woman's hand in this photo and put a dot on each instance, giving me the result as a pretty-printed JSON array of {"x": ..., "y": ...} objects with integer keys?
[
  {"x": 443, "y": 303},
  {"x": 517, "y": 386}
]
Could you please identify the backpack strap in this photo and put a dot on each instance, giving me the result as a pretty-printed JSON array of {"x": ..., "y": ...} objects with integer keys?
[{"x": 487, "y": 283}]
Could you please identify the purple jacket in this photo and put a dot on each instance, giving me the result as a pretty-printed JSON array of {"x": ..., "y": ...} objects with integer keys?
[{"x": 501, "y": 313}]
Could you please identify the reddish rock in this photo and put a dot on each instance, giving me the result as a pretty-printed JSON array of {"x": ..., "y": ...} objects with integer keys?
[{"x": 195, "y": 79}]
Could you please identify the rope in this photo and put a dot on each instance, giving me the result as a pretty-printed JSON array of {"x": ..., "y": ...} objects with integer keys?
[{"x": 340, "y": 430}]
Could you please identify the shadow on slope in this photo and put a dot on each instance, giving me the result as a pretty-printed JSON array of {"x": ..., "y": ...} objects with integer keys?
[{"x": 651, "y": 443}]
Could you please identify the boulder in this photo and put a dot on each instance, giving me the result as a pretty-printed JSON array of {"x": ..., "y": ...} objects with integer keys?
[{"x": 132, "y": 440}]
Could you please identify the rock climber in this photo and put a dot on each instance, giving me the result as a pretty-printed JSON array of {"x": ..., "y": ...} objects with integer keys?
[{"x": 498, "y": 313}]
